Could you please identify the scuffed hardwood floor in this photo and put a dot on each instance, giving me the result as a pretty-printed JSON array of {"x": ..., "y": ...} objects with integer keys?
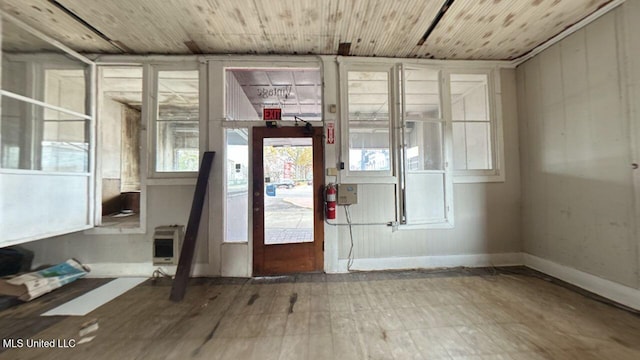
[{"x": 455, "y": 314}]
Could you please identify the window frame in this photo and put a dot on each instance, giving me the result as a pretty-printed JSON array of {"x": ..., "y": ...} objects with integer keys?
[
  {"x": 98, "y": 229},
  {"x": 494, "y": 103},
  {"x": 447, "y": 147},
  {"x": 88, "y": 115},
  {"x": 217, "y": 71},
  {"x": 233, "y": 126},
  {"x": 384, "y": 176},
  {"x": 152, "y": 117}
]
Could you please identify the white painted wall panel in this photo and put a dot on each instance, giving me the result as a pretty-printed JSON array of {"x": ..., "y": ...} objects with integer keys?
[
  {"x": 631, "y": 25},
  {"x": 53, "y": 203},
  {"x": 426, "y": 204},
  {"x": 577, "y": 182}
]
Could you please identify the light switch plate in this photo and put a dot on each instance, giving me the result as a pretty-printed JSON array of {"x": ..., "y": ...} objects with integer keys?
[{"x": 332, "y": 172}]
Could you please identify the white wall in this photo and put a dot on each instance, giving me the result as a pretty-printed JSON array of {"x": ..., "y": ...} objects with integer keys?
[{"x": 578, "y": 191}]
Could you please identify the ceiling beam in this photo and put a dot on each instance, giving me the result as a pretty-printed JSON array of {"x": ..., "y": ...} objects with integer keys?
[
  {"x": 117, "y": 44},
  {"x": 447, "y": 4}
]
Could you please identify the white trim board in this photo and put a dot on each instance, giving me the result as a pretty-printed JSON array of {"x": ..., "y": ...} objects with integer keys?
[
  {"x": 611, "y": 290},
  {"x": 108, "y": 270},
  {"x": 84, "y": 304},
  {"x": 427, "y": 262}
]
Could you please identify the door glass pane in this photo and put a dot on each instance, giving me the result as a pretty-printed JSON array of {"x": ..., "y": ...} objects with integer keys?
[{"x": 288, "y": 201}]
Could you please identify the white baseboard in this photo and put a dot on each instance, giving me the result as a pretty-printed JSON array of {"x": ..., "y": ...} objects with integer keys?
[
  {"x": 146, "y": 269},
  {"x": 429, "y": 262},
  {"x": 611, "y": 290}
]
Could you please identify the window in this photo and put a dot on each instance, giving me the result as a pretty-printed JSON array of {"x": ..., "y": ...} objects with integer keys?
[
  {"x": 425, "y": 178},
  {"x": 36, "y": 137},
  {"x": 120, "y": 193},
  {"x": 46, "y": 137},
  {"x": 44, "y": 124},
  {"x": 237, "y": 189},
  {"x": 295, "y": 91},
  {"x": 473, "y": 125},
  {"x": 368, "y": 137},
  {"x": 177, "y": 121}
]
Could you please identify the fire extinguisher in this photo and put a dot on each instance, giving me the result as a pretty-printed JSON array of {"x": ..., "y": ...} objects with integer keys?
[{"x": 330, "y": 199}]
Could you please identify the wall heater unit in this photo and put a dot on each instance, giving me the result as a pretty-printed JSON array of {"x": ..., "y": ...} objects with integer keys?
[{"x": 167, "y": 241}]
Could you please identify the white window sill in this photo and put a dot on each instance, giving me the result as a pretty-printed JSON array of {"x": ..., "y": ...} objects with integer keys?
[
  {"x": 433, "y": 226},
  {"x": 371, "y": 179},
  {"x": 114, "y": 231},
  {"x": 172, "y": 181}
]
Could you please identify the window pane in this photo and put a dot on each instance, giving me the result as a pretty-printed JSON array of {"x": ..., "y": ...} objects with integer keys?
[
  {"x": 478, "y": 146},
  {"x": 422, "y": 94},
  {"x": 177, "y": 146},
  {"x": 236, "y": 217},
  {"x": 472, "y": 140},
  {"x": 178, "y": 118},
  {"x": 469, "y": 97},
  {"x": 296, "y": 91},
  {"x": 38, "y": 70},
  {"x": 423, "y": 142},
  {"x": 368, "y": 94},
  {"x": 459, "y": 146},
  {"x": 35, "y": 138},
  {"x": 471, "y": 146},
  {"x": 65, "y": 88}
]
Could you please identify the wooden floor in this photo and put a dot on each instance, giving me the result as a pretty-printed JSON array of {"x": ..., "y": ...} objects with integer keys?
[{"x": 460, "y": 314}]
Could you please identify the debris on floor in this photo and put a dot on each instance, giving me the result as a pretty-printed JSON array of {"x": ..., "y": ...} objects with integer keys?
[
  {"x": 88, "y": 327},
  {"x": 29, "y": 286}
]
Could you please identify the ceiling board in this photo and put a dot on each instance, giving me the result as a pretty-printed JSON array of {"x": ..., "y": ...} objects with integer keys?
[
  {"x": 503, "y": 29},
  {"x": 42, "y": 15},
  {"x": 470, "y": 29}
]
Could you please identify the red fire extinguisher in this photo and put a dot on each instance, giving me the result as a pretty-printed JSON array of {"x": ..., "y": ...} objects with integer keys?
[{"x": 330, "y": 198}]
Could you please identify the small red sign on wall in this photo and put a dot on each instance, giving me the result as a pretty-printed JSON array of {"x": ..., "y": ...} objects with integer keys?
[
  {"x": 331, "y": 133},
  {"x": 271, "y": 114}
]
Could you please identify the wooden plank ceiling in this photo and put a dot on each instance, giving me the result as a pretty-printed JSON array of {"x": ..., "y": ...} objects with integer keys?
[{"x": 470, "y": 29}]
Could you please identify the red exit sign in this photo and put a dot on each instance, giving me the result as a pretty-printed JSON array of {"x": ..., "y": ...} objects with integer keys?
[{"x": 271, "y": 114}]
